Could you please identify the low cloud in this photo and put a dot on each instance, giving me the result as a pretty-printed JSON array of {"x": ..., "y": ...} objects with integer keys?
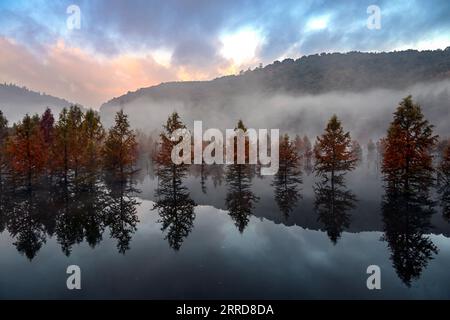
[{"x": 365, "y": 114}]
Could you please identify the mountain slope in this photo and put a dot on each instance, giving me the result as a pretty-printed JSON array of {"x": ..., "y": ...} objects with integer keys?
[
  {"x": 283, "y": 94},
  {"x": 16, "y": 101},
  {"x": 314, "y": 74}
]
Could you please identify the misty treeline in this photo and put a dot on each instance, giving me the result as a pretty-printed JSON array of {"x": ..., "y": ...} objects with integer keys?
[
  {"x": 410, "y": 169},
  {"x": 334, "y": 152},
  {"x": 410, "y": 158},
  {"x": 72, "y": 149},
  {"x": 76, "y": 150}
]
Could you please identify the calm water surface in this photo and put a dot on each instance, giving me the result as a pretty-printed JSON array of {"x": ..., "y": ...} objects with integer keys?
[{"x": 224, "y": 240}]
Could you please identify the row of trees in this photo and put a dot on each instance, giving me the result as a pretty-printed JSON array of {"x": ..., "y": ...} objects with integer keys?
[
  {"x": 407, "y": 167},
  {"x": 72, "y": 149},
  {"x": 409, "y": 175}
]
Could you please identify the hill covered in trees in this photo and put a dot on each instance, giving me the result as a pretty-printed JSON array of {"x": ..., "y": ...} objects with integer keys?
[
  {"x": 360, "y": 87},
  {"x": 314, "y": 74},
  {"x": 16, "y": 101}
]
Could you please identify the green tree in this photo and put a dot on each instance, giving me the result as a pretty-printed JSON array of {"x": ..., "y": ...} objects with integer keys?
[
  {"x": 120, "y": 149},
  {"x": 68, "y": 145},
  {"x": 93, "y": 135}
]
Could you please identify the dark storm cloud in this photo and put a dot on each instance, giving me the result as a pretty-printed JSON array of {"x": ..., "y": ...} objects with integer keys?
[
  {"x": 196, "y": 53},
  {"x": 192, "y": 29}
]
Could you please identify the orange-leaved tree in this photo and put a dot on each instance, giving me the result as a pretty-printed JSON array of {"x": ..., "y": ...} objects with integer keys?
[
  {"x": 26, "y": 149},
  {"x": 333, "y": 150},
  {"x": 407, "y": 158}
]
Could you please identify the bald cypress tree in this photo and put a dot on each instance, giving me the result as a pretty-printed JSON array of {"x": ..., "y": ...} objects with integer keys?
[
  {"x": 26, "y": 149},
  {"x": 47, "y": 127},
  {"x": 68, "y": 145},
  {"x": 93, "y": 135},
  {"x": 407, "y": 159},
  {"x": 3, "y": 138},
  {"x": 333, "y": 150},
  {"x": 166, "y": 145},
  {"x": 174, "y": 204},
  {"x": 120, "y": 149}
]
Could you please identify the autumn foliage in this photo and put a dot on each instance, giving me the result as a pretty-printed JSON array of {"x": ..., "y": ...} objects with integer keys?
[
  {"x": 407, "y": 159},
  {"x": 72, "y": 149},
  {"x": 333, "y": 150},
  {"x": 26, "y": 149}
]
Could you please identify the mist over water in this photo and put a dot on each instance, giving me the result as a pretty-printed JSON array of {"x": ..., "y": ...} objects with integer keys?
[{"x": 365, "y": 114}]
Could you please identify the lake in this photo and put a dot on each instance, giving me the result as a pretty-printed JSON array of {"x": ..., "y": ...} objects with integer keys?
[{"x": 218, "y": 238}]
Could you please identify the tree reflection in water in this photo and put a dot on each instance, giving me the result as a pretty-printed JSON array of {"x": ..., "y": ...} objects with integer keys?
[
  {"x": 445, "y": 199},
  {"x": 406, "y": 218},
  {"x": 240, "y": 200},
  {"x": 121, "y": 213},
  {"x": 25, "y": 223},
  {"x": 408, "y": 174},
  {"x": 73, "y": 214},
  {"x": 333, "y": 203},
  {"x": 174, "y": 205},
  {"x": 173, "y": 202}
]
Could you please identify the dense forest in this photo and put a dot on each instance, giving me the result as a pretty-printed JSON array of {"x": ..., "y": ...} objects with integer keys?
[
  {"x": 313, "y": 74},
  {"x": 360, "y": 87},
  {"x": 70, "y": 150}
]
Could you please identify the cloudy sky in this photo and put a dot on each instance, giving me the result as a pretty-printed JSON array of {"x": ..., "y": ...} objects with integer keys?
[{"x": 125, "y": 45}]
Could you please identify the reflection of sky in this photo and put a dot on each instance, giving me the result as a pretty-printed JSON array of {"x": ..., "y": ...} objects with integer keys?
[
  {"x": 215, "y": 261},
  {"x": 122, "y": 46}
]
